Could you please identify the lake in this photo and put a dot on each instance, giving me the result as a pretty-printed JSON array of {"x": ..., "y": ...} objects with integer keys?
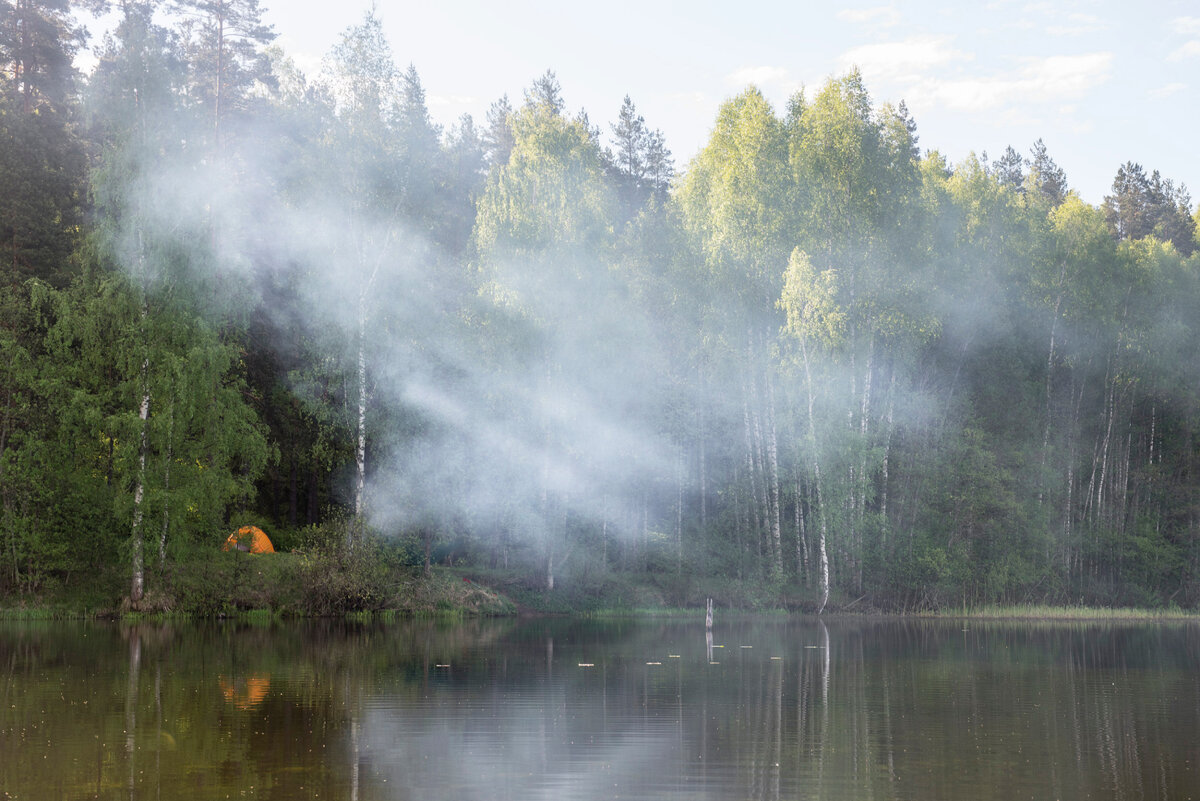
[{"x": 774, "y": 707}]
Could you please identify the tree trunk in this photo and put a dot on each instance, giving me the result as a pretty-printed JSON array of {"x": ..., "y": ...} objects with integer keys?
[
  {"x": 773, "y": 478},
  {"x": 822, "y": 552},
  {"x": 138, "y": 584},
  {"x": 887, "y": 455},
  {"x": 752, "y": 468},
  {"x": 360, "y": 450},
  {"x": 703, "y": 454},
  {"x": 801, "y": 535},
  {"x": 166, "y": 522},
  {"x": 1049, "y": 383},
  {"x": 864, "y": 427},
  {"x": 679, "y": 512}
]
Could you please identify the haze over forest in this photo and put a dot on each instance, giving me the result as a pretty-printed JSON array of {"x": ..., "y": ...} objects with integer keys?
[{"x": 817, "y": 363}]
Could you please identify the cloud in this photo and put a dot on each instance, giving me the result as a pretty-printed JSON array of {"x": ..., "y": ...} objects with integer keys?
[
  {"x": 758, "y": 76},
  {"x": 451, "y": 100},
  {"x": 1163, "y": 92},
  {"x": 1077, "y": 25},
  {"x": 1043, "y": 80},
  {"x": 882, "y": 16},
  {"x": 1185, "y": 25},
  {"x": 1187, "y": 51},
  {"x": 895, "y": 60},
  {"x": 691, "y": 98}
]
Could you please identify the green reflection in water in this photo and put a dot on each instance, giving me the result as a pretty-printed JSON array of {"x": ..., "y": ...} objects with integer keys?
[{"x": 504, "y": 709}]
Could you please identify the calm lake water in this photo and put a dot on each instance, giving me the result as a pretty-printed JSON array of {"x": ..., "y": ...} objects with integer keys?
[{"x": 560, "y": 709}]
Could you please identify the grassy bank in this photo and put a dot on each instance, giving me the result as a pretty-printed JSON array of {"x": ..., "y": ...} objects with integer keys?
[
  {"x": 1046, "y": 612},
  {"x": 381, "y": 581},
  {"x": 236, "y": 584}
]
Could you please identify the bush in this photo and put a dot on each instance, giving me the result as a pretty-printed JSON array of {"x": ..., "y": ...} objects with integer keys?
[{"x": 334, "y": 580}]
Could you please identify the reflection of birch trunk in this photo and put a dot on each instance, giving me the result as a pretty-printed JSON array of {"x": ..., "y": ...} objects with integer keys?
[
  {"x": 131, "y": 690},
  {"x": 158, "y": 739},
  {"x": 824, "y": 708},
  {"x": 777, "y": 711},
  {"x": 354, "y": 759},
  {"x": 825, "y": 674}
]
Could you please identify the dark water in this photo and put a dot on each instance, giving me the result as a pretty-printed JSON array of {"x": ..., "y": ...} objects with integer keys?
[{"x": 556, "y": 709}]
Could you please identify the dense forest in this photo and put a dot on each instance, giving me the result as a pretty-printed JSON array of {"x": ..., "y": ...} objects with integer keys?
[{"x": 816, "y": 363}]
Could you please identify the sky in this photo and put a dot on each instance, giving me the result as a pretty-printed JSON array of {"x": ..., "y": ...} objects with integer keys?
[{"x": 1101, "y": 83}]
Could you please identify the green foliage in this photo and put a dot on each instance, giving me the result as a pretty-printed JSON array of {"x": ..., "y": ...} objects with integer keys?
[{"x": 951, "y": 384}]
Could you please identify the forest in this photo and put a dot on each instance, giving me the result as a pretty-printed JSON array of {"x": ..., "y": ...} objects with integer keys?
[{"x": 818, "y": 365}]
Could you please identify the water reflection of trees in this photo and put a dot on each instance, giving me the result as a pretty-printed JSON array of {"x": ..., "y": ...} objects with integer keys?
[{"x": 855, "y": 709}]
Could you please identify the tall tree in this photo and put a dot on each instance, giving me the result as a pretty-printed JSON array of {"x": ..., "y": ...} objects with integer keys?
[
  {"x": 498, "y": 136},
  {"x": 734, "y": 203},
  {"x": 42, "y": 165},
  {"x": 1148, "y": 205},
  {"x": 38, "y": 40},
  {"x": 1009, "y": 169},
  {"x": 224, "y": 42},
  {"x": 642, "y": 163},
  {"x": 1045, "y": 175},
  {"x": 543, "y": 226},
  {"x": 363, "y": 163}
]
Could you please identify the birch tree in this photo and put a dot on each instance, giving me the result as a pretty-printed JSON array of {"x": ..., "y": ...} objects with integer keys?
[
  {"x": 366, "y": 169},
  {"x": 734, "y": 203},
  {"x": 543, "y": 229}
]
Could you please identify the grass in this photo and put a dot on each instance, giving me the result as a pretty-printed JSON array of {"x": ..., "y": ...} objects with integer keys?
[
  {"x": 1047, "y": 612},
  {"x": 679, "y": 612}
]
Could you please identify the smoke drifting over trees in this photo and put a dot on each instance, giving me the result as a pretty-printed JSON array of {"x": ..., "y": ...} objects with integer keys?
[{"x": 816, "y": 361}]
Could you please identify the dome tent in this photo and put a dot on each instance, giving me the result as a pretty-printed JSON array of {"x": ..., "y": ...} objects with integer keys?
[{"x": 250, "y": 539}]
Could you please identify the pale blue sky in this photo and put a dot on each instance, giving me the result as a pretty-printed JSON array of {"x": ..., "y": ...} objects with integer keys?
[{"x": 1101, "y": 82}]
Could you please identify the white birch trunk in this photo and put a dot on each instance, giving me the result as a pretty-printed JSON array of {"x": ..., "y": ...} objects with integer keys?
[
  {"x": 751, "y": 465},
  {"x": 360, "y": 450},
  {"x": 773, "y": 478},
  {"x": 864, "y": 425},
  {"x": 801, "y": 535},
  {"x": 358, "y": 526},
  {"x": 1049, "y": 383},
  {"x": 679, "y": 511},
  {"x": 166, "y": 522},
  {"x": 822, "y": 553},
  {"x": 138, "y": 585},
  {"x": 704, "y": 456},
  {"x": 887, "y": 455}
]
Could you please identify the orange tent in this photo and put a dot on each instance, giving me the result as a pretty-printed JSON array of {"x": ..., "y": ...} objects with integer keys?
[
  {"x": 246, "y": 693},
  {"x": 250, "y": 539}
]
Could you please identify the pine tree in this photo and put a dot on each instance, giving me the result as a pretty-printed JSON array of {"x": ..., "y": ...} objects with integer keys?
[
  {"x": 224, "y": 42},
  {"x": 42, "y": 165},
  {"x": 1047, "y": 177},
  {"x": 1008, "y": 170},
  {"x": 498, "y": 136}
]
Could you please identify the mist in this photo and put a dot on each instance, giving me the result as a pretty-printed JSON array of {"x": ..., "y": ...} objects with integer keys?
[{"x": 814, "y": 358}]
